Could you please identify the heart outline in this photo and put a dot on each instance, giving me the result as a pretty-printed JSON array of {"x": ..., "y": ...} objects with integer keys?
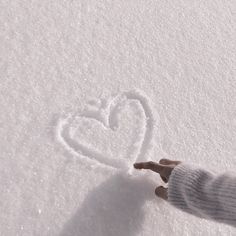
[{"x": 109, "y": 120}]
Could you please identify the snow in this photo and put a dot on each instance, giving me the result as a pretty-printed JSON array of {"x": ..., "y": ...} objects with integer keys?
[
  {"x": 121, "y": 129},
  {"x": 89, "y": 87}
]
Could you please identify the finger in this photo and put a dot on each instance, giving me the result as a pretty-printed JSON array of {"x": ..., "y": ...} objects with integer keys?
[
  {"x": 161, "y": 192},
  {"x": 164, "y": 179},
  {"x": 149, "y": 165},
  {"x": 168, "y": 162}
]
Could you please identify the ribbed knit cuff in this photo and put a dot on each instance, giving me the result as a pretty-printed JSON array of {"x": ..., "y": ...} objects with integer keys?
[
  {"x": 181, "y": 180},
  {"x": 202, "y": 193}
]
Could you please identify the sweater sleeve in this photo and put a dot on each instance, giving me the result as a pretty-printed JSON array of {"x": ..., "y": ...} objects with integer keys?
[{"x": 203, "y": 194}]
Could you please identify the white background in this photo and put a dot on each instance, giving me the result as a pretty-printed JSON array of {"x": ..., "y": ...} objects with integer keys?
[{"x": 56, "y": 55}]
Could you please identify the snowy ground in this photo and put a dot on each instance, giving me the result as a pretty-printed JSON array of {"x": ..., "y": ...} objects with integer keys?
[{"x": 89, "y": 86}]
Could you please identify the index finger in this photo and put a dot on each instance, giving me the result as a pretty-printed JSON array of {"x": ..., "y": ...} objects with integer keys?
[{"x": 156, "y": 167}]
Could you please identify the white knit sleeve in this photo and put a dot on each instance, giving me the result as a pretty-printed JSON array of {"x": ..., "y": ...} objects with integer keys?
[{"x": 203, "y": 193}]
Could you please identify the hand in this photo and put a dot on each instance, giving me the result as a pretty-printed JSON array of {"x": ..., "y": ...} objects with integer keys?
[{"x": 164, "y": 168}]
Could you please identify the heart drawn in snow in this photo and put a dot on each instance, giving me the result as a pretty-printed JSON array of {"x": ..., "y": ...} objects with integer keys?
[{"x": 116, "y": 133}]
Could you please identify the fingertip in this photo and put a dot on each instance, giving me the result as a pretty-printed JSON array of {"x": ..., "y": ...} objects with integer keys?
[
  {"x": 164, "y": 179},
  {"x": 136, "y": 165},
  {"x": 157, "y": 190},
  {"x": 161, "y": 192}
]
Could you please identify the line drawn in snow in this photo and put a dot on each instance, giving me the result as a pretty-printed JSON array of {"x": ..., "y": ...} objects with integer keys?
[{"x": 106, "y": 113}]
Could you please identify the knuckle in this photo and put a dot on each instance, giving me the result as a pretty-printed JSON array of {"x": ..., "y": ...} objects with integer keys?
[
  {"x": 159, "y": 190},
  {"x": 151, "y": 163}
]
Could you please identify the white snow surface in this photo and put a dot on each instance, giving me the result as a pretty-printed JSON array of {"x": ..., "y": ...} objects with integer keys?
[{"x": 89, "y": 87}]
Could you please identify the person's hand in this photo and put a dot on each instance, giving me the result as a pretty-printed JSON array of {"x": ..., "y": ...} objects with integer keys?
[{"x": 164, "y": 168}]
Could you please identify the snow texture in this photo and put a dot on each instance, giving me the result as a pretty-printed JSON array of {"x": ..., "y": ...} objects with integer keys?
[
  {"x": 89, "y": 87},
  {"x": 107, "y": 119}
]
